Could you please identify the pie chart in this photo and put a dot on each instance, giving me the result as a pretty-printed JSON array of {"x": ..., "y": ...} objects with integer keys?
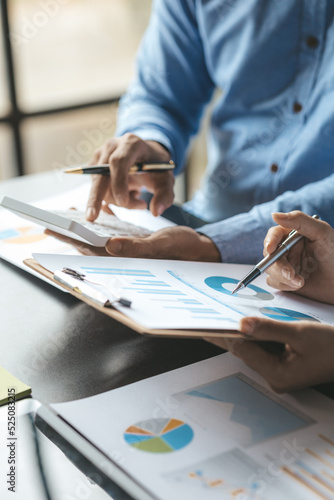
[
  {"x": 285, "y": 314},
  {"x": 159, "y": 435},
  {"x": 226, "y": 285}
]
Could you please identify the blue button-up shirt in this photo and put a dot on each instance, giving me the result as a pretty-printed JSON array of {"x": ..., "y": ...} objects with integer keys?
[{"x": 271, "y": 135}]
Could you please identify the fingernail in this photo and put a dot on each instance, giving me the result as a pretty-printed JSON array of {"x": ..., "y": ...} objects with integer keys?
[
  {"x": 161, "y": 209},
  {"x": 91, "y": 213},
  {"x": 114, "y": 247},
  {"x": 286, "y": 273},
  {"x": 282, "y": 215},
  {"x": 297, "y": 282},
  {"x": 248, "y": 326}
]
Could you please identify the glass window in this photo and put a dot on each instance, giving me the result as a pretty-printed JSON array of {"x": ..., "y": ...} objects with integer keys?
[
  {"x": 66, "y": 139},
  {"x": 74, "y": 51},
  {"x": 7, "y": 164}
]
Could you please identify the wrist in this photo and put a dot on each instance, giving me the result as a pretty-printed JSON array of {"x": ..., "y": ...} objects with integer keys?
[
  {"x": 209, "y": 252},
  {"x": 160, "y": 149}
]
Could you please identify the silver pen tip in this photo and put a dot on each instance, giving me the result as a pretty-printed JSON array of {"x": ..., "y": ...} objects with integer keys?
[{"x": 239, "y": 285}]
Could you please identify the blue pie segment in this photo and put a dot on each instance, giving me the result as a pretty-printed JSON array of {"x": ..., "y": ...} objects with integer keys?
[
  {"x": 281, "y": 314},
  {"x": 161, "y": 435}
]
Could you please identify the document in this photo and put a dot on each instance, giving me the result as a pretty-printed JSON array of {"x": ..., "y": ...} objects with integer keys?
[
  {"x": 213, "y": 430},
  {"x": 187, "y": 295},
  {"x": 20, "y": 238}
]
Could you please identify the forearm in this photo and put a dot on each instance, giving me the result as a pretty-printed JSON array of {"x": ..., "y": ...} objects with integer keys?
[{"x": 240, "y": 238}]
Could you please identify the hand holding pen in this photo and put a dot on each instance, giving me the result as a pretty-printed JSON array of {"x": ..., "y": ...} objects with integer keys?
[
  {"x": 134, "y": 169},
  {"x": 304, "y": 268},
  {"x": 121, "y": 187}
]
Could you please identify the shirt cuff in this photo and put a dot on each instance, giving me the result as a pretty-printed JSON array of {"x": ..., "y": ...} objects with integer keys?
[{"x": 239, "y": 239}]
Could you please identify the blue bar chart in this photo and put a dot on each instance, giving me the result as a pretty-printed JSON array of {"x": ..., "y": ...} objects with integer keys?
[{"x": 168, "y": 296}]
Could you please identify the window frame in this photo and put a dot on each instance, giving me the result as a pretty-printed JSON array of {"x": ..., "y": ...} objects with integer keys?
[{"x": 16, "y": 115}]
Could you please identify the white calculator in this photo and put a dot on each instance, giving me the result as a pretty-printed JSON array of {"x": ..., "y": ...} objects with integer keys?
[{"x": 73, "y": 224}]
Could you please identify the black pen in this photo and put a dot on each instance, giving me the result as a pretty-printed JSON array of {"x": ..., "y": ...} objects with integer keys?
[
  {"x": 282, "y": 249},
  {"x": 137, "y": 167}
]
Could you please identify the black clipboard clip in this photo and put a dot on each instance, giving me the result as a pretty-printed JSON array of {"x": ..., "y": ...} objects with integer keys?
[{"x": 70, "y": 277}]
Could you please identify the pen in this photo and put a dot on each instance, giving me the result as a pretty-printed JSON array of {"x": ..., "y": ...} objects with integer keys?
[
  {"x": 291, "y": 240},
  {"x": 137, "y": 167}
]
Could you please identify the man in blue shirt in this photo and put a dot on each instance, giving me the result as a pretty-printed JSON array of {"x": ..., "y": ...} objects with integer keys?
[{"x": 270, "y": 141}]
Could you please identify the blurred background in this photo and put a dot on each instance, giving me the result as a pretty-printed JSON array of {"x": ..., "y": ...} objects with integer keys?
[{"x": 61, "y": 75}]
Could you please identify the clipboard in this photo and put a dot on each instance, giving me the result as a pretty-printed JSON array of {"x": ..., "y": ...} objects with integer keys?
[{"x": 122, "y": 318}]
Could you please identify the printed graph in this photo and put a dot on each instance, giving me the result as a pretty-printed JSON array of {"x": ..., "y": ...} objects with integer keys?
[
  {"x": 314, "y": 469},
  {"x": 226, "y": 285},
  {"x": 281, "y": 314},
  {"x": 159, "y": 435},
  {"x": 248, "y": 412},
  {"x": 167, "y": 296},
  {"x": 232, "y": 475},
  {"x": 117, "y": 272}
]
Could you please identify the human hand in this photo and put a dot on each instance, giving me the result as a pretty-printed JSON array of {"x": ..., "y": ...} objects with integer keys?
[
  {"x": 179, "y": 242},
  {"x": 124, "y": 189},
  {"x": 308, "y": 268},
  {"x": 175, "y": 243},
  {"x": 307, "y": 359}
]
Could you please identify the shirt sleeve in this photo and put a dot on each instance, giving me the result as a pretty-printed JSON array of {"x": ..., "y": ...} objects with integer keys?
[
  {"x": 240, "y": 238},
  {"x": 166, "y": 100}
]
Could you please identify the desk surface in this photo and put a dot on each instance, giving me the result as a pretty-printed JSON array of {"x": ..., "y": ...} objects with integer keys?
[
  {"x": 66, "y": 350},
  {"x": 63, "y": 348}
]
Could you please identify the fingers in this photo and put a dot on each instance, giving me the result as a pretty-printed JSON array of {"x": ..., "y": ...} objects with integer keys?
[
  {"x": 163, "y": 194},
  {"x": 313, "y": 229},
  {"x": 266, "y": 364},
  {"x": 100, "y": 183},
  {"x": 131, "y": 247},
  {"x": 122, "y": 189},
  {"x": 266, "y": 329},
  {"x": 181, "y": 243},
  {"x": 282, "y": 276},
  {"x": 106, "y": 208},
  {"x": 130, "y": 149},
  {"x": 224, "y": 343},
  {"x": 254, "y": 356},
  {"x": 274, "y": 237},
  {"x": 159, "y": 245},
  {"x": 96, "y": 195}
]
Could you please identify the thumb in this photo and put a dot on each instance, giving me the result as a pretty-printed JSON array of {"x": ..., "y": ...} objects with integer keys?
[
  {"x": 266, "y": 329},
  {"x": 130, "y": 247},
  {"x": 312, "y": 228}
]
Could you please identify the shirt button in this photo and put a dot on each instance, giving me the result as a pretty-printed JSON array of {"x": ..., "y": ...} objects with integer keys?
[
  {"x": 274, "y": 168},
  {"x": 312, "y": 42},
  {"x": 297, "y": 107}
]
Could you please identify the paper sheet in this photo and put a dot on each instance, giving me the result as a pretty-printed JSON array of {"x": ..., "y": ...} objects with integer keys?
[
  {"x": 20, "y": 238},
  {"x": 212, "y": 430},
  {"x": 188, "y": 295}
]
